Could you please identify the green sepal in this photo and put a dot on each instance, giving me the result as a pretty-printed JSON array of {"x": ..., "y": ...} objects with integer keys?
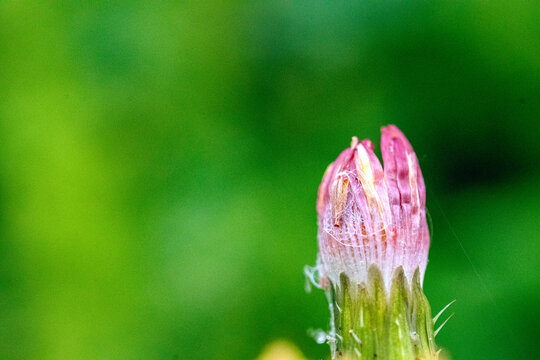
[
  {"x": 399, "y": 334},
  {"x": 379, "y": 304},
  {"x": 365, "y": 330},
  {"x": 422, "y": 320}
]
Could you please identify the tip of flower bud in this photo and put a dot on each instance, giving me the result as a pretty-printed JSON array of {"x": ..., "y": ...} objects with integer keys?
[{"x": 370, "y": 214}]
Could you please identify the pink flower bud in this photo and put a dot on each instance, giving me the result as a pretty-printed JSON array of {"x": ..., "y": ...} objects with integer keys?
[{"x": 370, "y": 215}]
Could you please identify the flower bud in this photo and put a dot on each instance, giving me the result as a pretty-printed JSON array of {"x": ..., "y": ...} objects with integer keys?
[{"x": 370, "y": 215}]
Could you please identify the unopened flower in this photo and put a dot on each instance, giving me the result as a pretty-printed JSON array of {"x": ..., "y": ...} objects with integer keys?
[
  {"x": 373, "y": 215},
  {"x": 373, "y": 247}
]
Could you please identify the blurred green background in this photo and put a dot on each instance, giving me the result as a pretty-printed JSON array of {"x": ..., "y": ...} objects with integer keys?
[{"x": 159, "y": 165}]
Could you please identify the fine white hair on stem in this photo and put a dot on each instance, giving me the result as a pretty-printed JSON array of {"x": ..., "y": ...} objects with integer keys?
[
  {"x": 444, "y": 323},
  {"x": 312, "y": 274},
  {"x": 436, "y": 317}
]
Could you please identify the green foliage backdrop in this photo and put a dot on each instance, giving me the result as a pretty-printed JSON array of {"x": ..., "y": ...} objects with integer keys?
[{"x": 159, "y": 165}]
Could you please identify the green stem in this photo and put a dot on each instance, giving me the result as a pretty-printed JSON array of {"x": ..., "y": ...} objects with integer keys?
[{"x": 374, "y": 323}]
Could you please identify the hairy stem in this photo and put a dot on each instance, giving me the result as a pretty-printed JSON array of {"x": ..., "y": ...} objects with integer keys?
[{"x": 373, "y": 322}]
